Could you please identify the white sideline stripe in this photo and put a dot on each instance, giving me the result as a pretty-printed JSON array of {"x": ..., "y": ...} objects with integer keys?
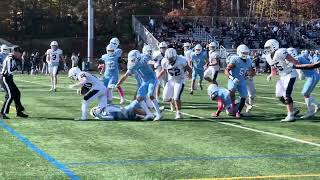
[{"x": 232, "y": 125}]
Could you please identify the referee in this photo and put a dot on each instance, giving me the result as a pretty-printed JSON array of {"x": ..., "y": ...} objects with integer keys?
[{"x": 12, "y": 91}]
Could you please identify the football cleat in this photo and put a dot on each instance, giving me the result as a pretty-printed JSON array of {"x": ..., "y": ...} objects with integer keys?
[
  {"x": 214, "y": 115},
  {"x": 122, "y": 100},
  {"x": 22, "y": 115},
  {"x": 308, "y": 115},
  {"x": 178, "y": 116},
  {"x": 238, "y": 115},
  {"x": 288, "y": 119},
  {"x": 148, "y": 117},
  {"x": 157, "y": 118},
  {"x": 296, "y": 111}
]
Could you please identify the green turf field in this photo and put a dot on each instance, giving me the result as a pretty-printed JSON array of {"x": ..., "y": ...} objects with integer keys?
[{"x": 260, "y": 147}]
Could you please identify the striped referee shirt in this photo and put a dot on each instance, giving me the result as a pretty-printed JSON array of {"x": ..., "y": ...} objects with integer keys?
[{"x": 9, "y": 65}]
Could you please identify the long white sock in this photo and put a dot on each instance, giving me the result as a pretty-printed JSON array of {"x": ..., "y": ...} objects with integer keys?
[
  {"x": 313, "y": 100},
  {"x": 149, "y": 102},
  {"x": 308, "y": 104},
  {"x": 84, "y": 109},
  {"x": 156, "y": 106},
  {"x": 145, "y": 107}
]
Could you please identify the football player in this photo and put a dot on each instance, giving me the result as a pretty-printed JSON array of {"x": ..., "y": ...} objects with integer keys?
[
  {"x": 197, "y": 62},
  {"x": 157, "y": 59},
  {"x": 111, "y": 69},
  {"x": 118, "y": 53},
  {"x": 211, "y": 73},
  {"x": 187, "y": 50},
  {"x": 281, "y": 62},
  {"x": 112, "y": 112},
  {"x": 222, "y": 97},
  {"x": 176, "y": 67},
  {"x": 91, "y": 88},
  {"x": 311, "y": 80},
  {"x": 4, "y": 52},
  {"x": 138, "y": 65},
  {"x": 251, "y": 91},
  {"x": 54, "y": 56},
  {"x": 239, "y": 66}
]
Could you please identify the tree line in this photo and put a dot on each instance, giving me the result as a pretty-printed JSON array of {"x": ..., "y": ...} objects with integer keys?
[{"x": 27, "y": 19}]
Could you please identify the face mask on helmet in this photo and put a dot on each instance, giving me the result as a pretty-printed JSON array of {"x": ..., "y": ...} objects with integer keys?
[
  {"x": 110, "y": 52},
  {"x": 186, "y": 48},
  {"x": 198, "y": 51},
  {"x": 244, "y": 55},
  {"x": 163, "y": 50}
]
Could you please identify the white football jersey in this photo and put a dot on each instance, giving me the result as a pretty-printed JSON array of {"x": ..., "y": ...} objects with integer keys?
[
  {"x": 157, "y": 57},
  {"x": 213, "y": 56},
  {"x": 177, "y": 71},
  {"x": 187, "y": 54},
  {"x": 92, "y": 81},
  {"x": 54, "y": 56},
  {"x": 279, "y": 61}
]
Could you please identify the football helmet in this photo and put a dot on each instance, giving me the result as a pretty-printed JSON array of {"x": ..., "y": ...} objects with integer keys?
[
  {"x": 147, "y": 49},
  {"x": 213, "y": 46},
  {"x": 5, "y": 49},
  {"x": 73, "y": 73},
  {"x": 198, "y": 49},
  {"x": 243, "y": 51},
  {"x": 293, "y": 52},
  {"x": 186, "y": 46},
  {"x": 115, "y": 41},
  {"x": 213, "y": 94},
  {"x": 171, "y": 55},
  {"x": 110, "y": 49},
  {"x": 271, "y": 46},
  {"x": 133, "y": 57}
]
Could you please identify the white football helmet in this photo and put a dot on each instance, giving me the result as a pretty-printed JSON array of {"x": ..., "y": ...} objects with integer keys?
[
  {"x": 186, "y": 46},
  {"x": 54, "y": 43},
  {"x": 5, "y": 49},
  {"x": 305, "y": 53},
  {"x": 243, "y": 51},
  {"x": 317, "y": 52},
  {"x": 73, "y": 73},
  {"x": 213, "y": 46},
  {"x": 171, "y": 55},
  {"x": 213, "y": 94},
  {"x": 271, "y": 46},
  {"x": 133, "y": 57},
  {"x": 96, "y": 111},
  {"x": 147, "y": 49},
  {"x": 110, "y": 49},
  {"x": 198, "y": 49},
  {"x": 115, "y": 41},
  {"x": 293, "y": 52},
  {"x": 163, "y": 47}
]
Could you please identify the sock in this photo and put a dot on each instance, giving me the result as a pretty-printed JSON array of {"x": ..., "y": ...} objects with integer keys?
[
  {"x": 242, "y": 103},
  {"x": 156, "y": 107},
  {"x": 109, "y": 96},
  {"x": 121, "y": 93},
  {"x": 149, "y": 103},
  {"x": 308, "y": 104},
  {"x": 145, "y": 107},
  {"x": 313, "y": 100},
  {"x": 290, "y": 114},
  {"x": 84, "y": 109}
]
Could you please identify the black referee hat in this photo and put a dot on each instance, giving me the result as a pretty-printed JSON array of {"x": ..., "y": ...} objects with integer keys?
[{"x": 17, "y": 49}]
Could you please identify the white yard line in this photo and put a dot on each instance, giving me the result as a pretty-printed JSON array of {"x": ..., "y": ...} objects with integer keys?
[{"x": 232, "y": 125}]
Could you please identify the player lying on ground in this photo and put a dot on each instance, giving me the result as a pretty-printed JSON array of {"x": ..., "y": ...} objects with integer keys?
[
  {"x": 90, "y": 88},
  {"x": 113, "y": 112}
]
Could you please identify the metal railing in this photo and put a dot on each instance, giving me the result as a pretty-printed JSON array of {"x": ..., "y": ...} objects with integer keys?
[{"x": 143, "y": 33}]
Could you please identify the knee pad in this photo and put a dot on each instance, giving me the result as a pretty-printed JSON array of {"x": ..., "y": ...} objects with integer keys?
[{"x": 288, "y": 100}]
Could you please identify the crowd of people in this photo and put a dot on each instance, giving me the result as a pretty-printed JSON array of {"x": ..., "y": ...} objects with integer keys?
[{"x": 254, "y": 33}]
